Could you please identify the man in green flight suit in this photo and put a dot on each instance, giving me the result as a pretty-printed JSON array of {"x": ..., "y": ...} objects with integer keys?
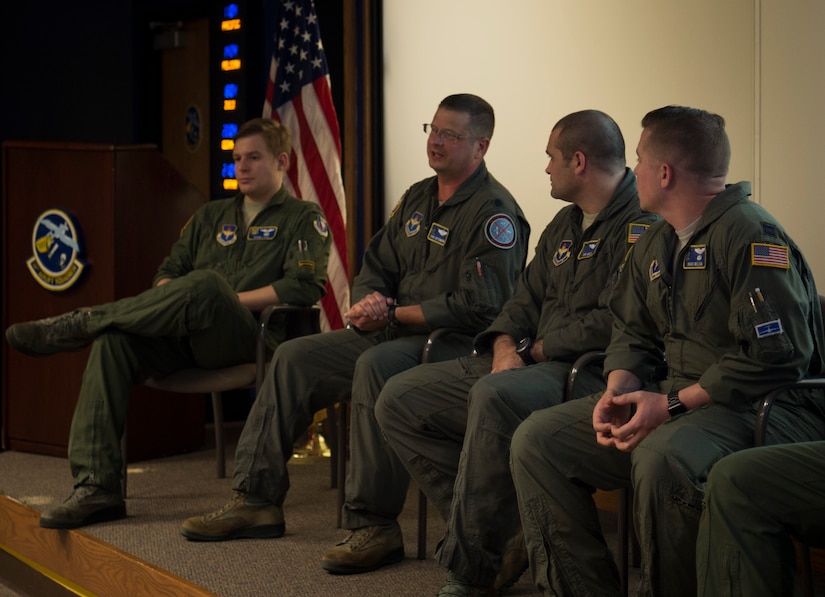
[
  {"x": 234, "y": 257},
  {"x": 722, "y": 294}
]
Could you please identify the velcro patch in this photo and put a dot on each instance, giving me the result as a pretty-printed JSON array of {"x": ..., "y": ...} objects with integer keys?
[
  {"x": 500, "y": 231},
  {"x": 763, "y": 254}
]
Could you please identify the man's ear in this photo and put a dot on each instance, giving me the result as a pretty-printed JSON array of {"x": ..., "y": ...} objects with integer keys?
[{"x": 283, "y": 161}]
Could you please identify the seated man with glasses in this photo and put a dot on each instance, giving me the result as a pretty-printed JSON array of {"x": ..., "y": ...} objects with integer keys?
[{"x": 449, "y": 256}]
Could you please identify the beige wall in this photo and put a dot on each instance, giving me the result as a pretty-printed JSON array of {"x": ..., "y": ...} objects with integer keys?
[{"x": 759, "y": 63}]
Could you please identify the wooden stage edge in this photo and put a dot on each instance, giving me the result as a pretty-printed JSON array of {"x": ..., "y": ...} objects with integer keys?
[{"x": 81, "y": 564}]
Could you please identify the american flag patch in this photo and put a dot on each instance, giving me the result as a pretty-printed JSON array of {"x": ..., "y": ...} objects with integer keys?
[
  {"x": 634, "y": 231},
  {"x": 769, "y": 255}
]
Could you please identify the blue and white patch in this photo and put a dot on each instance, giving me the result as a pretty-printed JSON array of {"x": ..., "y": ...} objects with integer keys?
[
  {"x": 413, "y": 225},
  {"x": 654, "y": 271},
  {"x": 769, "y": 328},
  {"x": 321, "y": 226},
  {"x": 438, "y": 234},
  {"x": 228, "y": 235},
  {"x": 56, "y": 245},
  {"x": 500, "y": 231},
  {"x": 696, "y": 257},
  {"x": 562, "y": 254},
  {"x": 589, "y": 249},
  {"x": 261, "y": 232}
]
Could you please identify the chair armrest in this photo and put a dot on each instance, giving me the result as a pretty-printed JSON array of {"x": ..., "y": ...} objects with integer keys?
[
  {"x": 300, "y": 321},
  {"x": 426, "y": 352},
  {"x": 760, "y": 427},
  {"x": 585, "y": 360}
]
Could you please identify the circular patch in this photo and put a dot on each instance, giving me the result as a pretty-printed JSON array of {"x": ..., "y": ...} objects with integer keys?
[
  {"x": 56, "y": 246},
  {"x": 500, "y": 231}
]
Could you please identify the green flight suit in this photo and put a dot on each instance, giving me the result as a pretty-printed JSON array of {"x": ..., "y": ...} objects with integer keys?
[
  {"x": 451, "y": 422},
  {"x": 196, "y": 318}
]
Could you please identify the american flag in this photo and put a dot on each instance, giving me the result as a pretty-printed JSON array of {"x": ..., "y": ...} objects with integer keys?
[
  {"x": 298, "y": 95},
  {"x": 769, "y": 255}
]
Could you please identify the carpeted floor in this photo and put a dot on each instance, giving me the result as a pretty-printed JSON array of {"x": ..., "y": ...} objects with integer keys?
[{"x": 163, "y": 492}]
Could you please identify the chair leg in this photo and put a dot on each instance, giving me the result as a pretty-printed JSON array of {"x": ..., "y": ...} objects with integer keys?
[
  {"x": 422, "y": 525},
  {"x": 123, "y": 452},
  {"x": 332, "y": 441},
  {"x": 625, "y": 521},
  {"x": 807, "y": 571},
  {"x": 220, "y": 451},
  {"x": 342, "y": 440}
]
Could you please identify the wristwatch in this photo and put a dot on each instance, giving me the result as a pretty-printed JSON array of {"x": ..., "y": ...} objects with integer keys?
[
  {"x": 392, "y": 321},
  {"x": 523, "y": 350},
  {"x": 674, "y": 405}
]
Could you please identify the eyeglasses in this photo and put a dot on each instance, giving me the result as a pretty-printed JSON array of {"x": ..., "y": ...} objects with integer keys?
[{"x": 447, "y": 135}]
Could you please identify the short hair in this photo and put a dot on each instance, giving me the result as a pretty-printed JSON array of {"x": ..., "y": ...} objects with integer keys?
[
  {"x": 691, "y": 138},
  {"x": 596, "y": 135},
  {"x": 482, "y": 117},
  {"x": 275, "y": 134}
]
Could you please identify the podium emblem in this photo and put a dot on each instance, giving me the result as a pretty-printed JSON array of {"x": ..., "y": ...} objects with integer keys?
[{"x": 56, "y": 264}]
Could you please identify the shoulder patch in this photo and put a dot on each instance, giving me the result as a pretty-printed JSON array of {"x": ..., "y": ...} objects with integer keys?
[
  {"x": 396, "y": 208},
  {"x": 766, "y": 255},
  {"x": 500, "y": 231},
  {"x": 321, "y": 226},
  {"x": 635, "y": 230}
]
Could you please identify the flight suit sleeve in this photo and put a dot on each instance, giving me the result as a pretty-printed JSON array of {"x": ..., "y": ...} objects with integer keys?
[{"x": 305, "y": 267}]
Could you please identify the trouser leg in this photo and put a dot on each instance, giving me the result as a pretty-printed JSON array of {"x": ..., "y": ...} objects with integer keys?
[
  {"x": 200, "y": 305},
  {"x": 376, "y": 487},
  {"x": 306, "y": 374},
  {"x": 116, "y": 361},
  {"x": 484, "y": 513},
  {"x": 670, "y": 470},
  {"x": 423, "y": 415},
  {"x": 755, "y": 500},
  {"x": 556, "y": 462}
]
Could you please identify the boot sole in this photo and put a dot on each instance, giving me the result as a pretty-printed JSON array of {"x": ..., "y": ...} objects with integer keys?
[
  {"x": 266, "y": 531},
  {"x": 393, "y": 557},
  {"x": 105, "y": 515}
]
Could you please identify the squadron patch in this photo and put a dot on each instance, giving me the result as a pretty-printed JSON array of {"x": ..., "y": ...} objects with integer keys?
[
  {"x": 500, "y": 231},
  {"x": 696, "y": 257},
  {"x": 589, "y": 249},
  {"x": 56, "y": 245},
  {"x": 765, "y": 255},
  {"x": 228, "y": 235},
  {"x": 562, "y": 254},
  {"x": 634, "y": 231},
  {"x": 261, "y": 232},
  {"x": 321, "y": 226},
  {"x": 654, "y": 271},
  {"x": 438, "y": 234},
  {"x": 413, "y": 225}
]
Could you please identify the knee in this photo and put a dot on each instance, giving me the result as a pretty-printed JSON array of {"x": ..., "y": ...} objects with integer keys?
[
  {"x": 523, "y": 446},
  {"x": 732, "y": 476},
  {"x": 207, "y": 284}
]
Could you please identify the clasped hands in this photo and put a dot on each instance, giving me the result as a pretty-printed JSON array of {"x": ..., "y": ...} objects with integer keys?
[
  {"x": 623, "y": 420},
  {"x": 370, "y": 313}
]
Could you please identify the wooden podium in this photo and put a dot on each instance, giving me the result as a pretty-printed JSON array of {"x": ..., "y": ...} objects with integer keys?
[{"x": 129, "y": 205}]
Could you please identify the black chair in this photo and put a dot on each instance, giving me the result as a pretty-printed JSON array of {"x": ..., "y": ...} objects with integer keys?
[
  {"x": 629, "y": 550},
  {"x": 299, "y": 321}
]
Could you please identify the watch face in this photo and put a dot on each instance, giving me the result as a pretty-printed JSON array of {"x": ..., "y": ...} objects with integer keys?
[{"x": 523, "y": 344}]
